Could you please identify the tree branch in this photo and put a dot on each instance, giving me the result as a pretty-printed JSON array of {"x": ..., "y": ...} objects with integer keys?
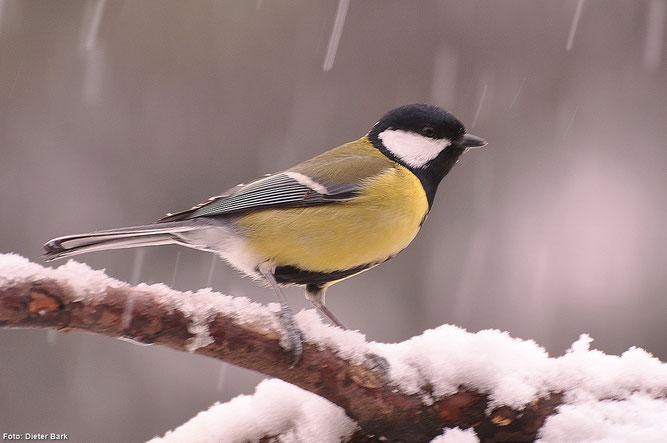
[{"x": 219, "y": 326}]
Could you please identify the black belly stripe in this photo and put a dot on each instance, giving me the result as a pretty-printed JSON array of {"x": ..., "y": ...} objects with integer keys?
[{"x": 295, "y": 276}]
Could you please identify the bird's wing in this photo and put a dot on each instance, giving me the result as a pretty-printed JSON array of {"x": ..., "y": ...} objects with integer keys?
[
  {"x": 333, "y": 177},
  {"x": 283, "y": 190}
]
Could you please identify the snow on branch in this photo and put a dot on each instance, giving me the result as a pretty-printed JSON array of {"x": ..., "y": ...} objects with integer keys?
[{"x": 505, "y": 389}]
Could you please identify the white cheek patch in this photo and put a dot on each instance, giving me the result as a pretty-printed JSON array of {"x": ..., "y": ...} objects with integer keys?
[{"x": 413, "y": 149}]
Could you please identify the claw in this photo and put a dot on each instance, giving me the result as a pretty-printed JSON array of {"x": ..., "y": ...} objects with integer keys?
[
  {"x": 293, "y": 334},
  {"x": 377, "y": 363}
]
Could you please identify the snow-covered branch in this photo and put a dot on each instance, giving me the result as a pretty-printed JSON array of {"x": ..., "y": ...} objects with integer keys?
[{"x": 503, "y": 387}]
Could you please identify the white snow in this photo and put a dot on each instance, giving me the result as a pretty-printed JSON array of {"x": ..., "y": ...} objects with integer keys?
[
  {"x": 511, "y": 370},
  {"x": 15, "y": 269},
  {"x": 202, "y": 305},
  {"x": 639, "y": 418},
  {"x": 515, "y": 372},
  {"x": 586, "y": 374},
  {"x": 350, "y": 345},
  {"x": 276, "y": 408},
  {"x": 456, "y": 435},
  {"x": 606, "y": 397},
  {"x": 199, "y": 306}
]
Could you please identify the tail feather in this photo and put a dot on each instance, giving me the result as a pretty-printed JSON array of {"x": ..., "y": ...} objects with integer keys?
[{"x": 130, "y": 237}]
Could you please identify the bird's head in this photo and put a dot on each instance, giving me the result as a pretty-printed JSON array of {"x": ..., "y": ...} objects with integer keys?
[{"x": 425, "y": 139}]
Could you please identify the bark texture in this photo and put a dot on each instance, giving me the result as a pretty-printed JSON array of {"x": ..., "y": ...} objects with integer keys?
[{"x": 382, "y": 412}]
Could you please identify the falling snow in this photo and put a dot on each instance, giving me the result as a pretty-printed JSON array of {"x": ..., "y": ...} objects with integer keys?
[
  {"x": 93, "y": 53},
  {"x": 176, "y": 264},
  {"x": 575, "y": 25},
  {"x": 211, "y": 268},
  {"x": 518, "y": 92},
  {"x": 336, "y": 33},
  {"x": 139, "y": 256},
  {"x": 570, "y": 226},
  {"x": 2, "y": 6},
  {"x": 655, "y": 34},
  {"x": 479, "y": 106},
  {"x": 569, "y": 123},
  {"x": 93, "y": 27}
]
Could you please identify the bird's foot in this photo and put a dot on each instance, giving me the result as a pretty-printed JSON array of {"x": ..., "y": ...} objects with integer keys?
[
  {"x": 293, "y": 338},
  {"x": 377, "y": 363}
]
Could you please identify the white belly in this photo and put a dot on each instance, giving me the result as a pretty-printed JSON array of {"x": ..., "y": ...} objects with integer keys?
[{"x": 227, "y": 244}]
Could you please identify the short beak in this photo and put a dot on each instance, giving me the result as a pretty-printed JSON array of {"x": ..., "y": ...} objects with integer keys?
[{"x": 470, "y": 141}]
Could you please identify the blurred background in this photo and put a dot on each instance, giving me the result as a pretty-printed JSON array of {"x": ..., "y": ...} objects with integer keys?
[{"x": 113, "y": 113}]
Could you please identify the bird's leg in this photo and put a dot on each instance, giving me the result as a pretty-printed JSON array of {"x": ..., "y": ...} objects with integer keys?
[
  {"x": 315, "y": 294},
  {"x": 293, "y": 333}
]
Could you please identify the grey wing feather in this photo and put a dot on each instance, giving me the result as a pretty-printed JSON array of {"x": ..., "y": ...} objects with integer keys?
[{"x": 278, "y": 190}]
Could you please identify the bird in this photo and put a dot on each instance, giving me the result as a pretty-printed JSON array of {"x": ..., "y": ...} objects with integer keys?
[{"x": 324, "y": 220}]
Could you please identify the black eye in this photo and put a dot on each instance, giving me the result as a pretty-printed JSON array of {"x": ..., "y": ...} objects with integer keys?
[{"x": 428, "y": 131}]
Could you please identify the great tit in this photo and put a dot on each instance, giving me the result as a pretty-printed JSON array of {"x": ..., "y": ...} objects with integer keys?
[{"x": 319, "y": 222}]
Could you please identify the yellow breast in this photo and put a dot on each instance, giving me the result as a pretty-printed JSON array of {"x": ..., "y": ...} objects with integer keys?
[{"x": 378, "y": 224}]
